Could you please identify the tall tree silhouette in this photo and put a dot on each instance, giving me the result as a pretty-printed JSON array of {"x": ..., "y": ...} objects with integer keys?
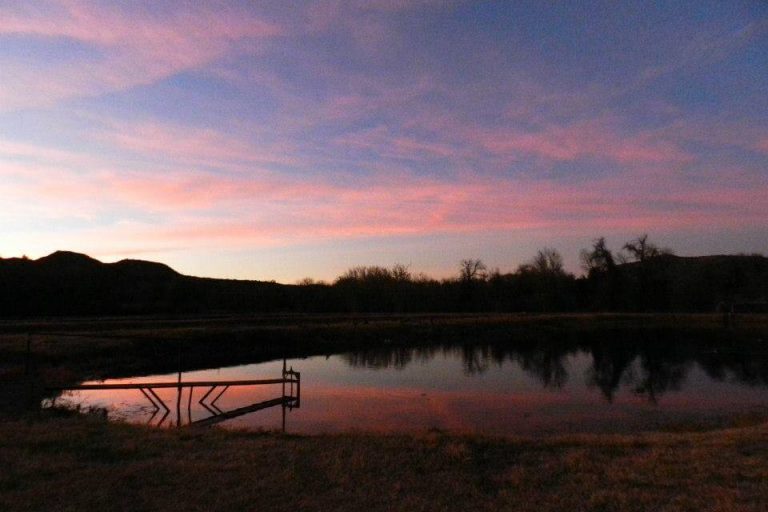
[
  {"x": 600, "y": 265},
  {"x": 472, "y": 272},
  {"x": 648, "y": 288}
]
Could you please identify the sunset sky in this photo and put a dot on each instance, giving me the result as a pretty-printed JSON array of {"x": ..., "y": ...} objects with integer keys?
[{"x": 278, "y": 140}]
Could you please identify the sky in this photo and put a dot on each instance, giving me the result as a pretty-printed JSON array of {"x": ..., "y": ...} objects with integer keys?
[{"x": 280, "y": 140}]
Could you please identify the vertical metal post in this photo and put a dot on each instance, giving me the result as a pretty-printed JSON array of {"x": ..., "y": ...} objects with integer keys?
[
  {"x": 189, "y": 404},
  {"x": 178, "y": 349},
  {"x": 178, "y": 406},
  {"x": 178, "y": 393}
]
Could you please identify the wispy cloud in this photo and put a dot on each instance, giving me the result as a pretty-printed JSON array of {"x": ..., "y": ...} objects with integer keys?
[
  {"x": 271, "y": 208},
  {"x": 135, "y": 44},
  {"x": 597, "y": 138},
  {"x": 197, "y": 146}
]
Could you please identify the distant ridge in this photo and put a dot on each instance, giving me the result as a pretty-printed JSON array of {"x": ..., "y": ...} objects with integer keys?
[
  {"x": 68, "y": 258},
  {"x": 69, "y": 283}
]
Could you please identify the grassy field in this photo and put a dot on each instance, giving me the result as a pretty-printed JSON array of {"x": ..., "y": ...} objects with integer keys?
[
  {"x": 60, "y": 461},
  {"x": 76, "y": 463}
]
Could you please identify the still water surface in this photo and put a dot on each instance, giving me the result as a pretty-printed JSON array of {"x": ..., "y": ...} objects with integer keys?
[{"x": 463, "y": 389}]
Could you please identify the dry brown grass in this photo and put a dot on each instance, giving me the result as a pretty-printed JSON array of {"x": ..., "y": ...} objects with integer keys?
[{"x": 78, "y": 464}]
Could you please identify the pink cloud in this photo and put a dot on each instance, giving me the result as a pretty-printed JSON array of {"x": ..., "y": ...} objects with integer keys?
[
  {"x": 419, "y": 132},
  {"x": 229, "y": 218},
  {"x": 425, "y": 207},
  {"x": 386, "y": 144},
  {"x": 274, "y": 209},
  {"x": 179, "y": 204},
  {"x": 403, "y": 5},
  {"x": 20, "y": 151},
  {"x": 597, "y": 138},
  {"x": 137, "y": 47},
  {"x": 198, "y": 146}
]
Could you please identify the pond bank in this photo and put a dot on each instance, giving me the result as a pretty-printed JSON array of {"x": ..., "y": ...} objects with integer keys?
[
  {"x": 90, "y": 348},
  {"x": 85, "y": 463}
]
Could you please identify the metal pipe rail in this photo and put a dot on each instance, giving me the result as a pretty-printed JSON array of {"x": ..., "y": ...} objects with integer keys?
[
  {"x": 190, "y": 384},
  {"x": 288, "y": 400}
]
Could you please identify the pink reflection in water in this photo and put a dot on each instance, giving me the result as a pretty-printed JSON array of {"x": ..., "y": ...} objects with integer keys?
[{"x": 434, "y": 392}]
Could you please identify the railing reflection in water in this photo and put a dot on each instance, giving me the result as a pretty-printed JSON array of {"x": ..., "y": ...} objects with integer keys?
[{"x": 289, "y": 399}]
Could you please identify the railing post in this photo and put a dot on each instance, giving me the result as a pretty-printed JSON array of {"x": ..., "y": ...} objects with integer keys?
[
  {"x": 283, "y": 378},
  {"x": 298, "y": 389}
]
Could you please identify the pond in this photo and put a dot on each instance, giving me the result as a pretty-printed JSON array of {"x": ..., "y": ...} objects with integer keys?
[{"x": 460, "y": 388}]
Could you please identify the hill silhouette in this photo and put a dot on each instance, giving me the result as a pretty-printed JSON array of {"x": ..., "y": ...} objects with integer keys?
[{"x": 68, "y": 283}]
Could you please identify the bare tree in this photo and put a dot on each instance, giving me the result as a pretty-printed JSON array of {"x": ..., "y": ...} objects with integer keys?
[
  {"x": 400, "y": 273},
  {"x": 599, "y": 259},
  {"x": 546, "y": 262},
  {"x": 472, "y": 270},
  {"x": 641, "y": 249}
]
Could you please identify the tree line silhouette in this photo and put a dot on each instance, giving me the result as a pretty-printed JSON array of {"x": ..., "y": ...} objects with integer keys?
[{"x": 640, "y": 277}]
